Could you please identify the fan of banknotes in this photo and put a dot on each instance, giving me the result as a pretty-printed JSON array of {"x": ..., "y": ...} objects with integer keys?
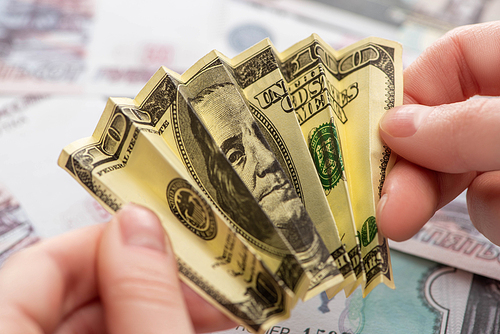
[{"x": 264, "y": 169}]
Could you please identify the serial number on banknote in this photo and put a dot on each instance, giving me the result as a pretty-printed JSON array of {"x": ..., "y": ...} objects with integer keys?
[{"x": 286, "y": 330}]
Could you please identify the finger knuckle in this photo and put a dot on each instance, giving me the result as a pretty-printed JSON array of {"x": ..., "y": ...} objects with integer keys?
[{"x": 147, "y": 286}]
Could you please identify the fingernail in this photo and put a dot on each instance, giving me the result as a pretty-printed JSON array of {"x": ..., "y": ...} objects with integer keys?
[
  {"x": 380, "y": 209},
  {"x": 404, "y": 121},
  {"x": 140, "y": 227},
  {"x": 381, "y": 203}
]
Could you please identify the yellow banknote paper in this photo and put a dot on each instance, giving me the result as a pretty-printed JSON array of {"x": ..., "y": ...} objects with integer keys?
[
  {"x": 339, "y": 98},
  {"x": 264, "y": 169},
  {"x": 127, "y": 161}
]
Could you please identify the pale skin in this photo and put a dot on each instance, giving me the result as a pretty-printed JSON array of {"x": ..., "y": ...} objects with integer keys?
[
  {"x": 446, "y": 142},
  {"x": 121, "y": 277}
]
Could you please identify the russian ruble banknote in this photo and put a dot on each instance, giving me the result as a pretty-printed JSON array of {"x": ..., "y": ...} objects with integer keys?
[
  {"x": 430, "y": 298},
  {"x": 449, "y": 237},
  {"x": 16, "y": 230},
  {"x": 43, "y": 45},
  {"x": 233, "y": 132}
]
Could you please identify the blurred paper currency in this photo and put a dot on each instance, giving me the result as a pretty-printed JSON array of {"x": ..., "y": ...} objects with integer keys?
[
  {"x": 115, "y": 68},
  {"x": 83, "y": 45},
  {"x": 415, "y": 24},
  {"x": 42, "y": 45},
  {"x": 53, "y": 202},
  {"x": 430, "y": 298},
  {"x": 450, "y": 238},
  {"x": 16, "y": 231}
]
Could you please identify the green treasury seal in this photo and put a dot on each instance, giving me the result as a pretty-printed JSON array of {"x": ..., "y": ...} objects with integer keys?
[{"x": 325, "y": 151}]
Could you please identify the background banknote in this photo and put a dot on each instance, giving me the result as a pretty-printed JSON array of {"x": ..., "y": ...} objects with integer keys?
[
  {"x": 430, "y": 298},
  {"x": 39, "y": 186},
  {"x": 43, "y": 45},
  {"x": 450, "y": 238},
  {"x": 84, "y": 46},
  {"x": 414, "y": 24},
  {"x": 114, "y": 66},
  {"x": 16, "y": 231}
]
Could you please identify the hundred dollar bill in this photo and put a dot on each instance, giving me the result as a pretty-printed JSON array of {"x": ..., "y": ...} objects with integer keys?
[
  {"x": 258, "y": 73},
  {"x": 215, "y": 97},
  {"x": 127, "y": 160},
  {"x": 310, "y": 95},
  {"x": 226, "y": 113},
  {"x": 358, "y": 84},
  {"x": 166, "y": 98}
]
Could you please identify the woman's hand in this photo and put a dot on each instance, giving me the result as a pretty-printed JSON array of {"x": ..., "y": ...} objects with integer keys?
[
  {"x": 120, "y": 278},
  {"x": 446, "y": 141}
]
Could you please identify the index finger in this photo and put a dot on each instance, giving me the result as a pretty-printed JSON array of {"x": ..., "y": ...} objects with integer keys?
[{"x": 462, "y": 64}]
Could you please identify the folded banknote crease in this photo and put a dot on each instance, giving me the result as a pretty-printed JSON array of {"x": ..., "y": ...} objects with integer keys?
[{"x": 265, "y": 170}]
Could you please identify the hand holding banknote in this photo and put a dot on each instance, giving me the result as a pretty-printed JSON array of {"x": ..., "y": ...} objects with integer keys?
[
  {"x": 447, "y": 142},
  {"x": 243, "y": 237},
  {"x": 114, "y": 278}
]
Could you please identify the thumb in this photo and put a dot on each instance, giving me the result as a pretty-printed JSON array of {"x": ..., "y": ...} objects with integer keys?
[
  {"x": 137, "y": 274},
  {"x": 451, "y": 138}
]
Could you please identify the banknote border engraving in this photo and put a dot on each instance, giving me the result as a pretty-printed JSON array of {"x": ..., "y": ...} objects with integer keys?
[
  {"x": 83, "y": 162},
  {"x": 255, "y": 67},
  {"x": 384, "y": 162},
  {"x": 380, "y": 256},
  {"x": 159, "y": 100},
  {"x": 337, "y": 254},
  {"x": 235, "y": 309}
]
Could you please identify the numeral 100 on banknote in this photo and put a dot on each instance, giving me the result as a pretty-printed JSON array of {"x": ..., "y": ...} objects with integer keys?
[{"x": 265, "y": 170}]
